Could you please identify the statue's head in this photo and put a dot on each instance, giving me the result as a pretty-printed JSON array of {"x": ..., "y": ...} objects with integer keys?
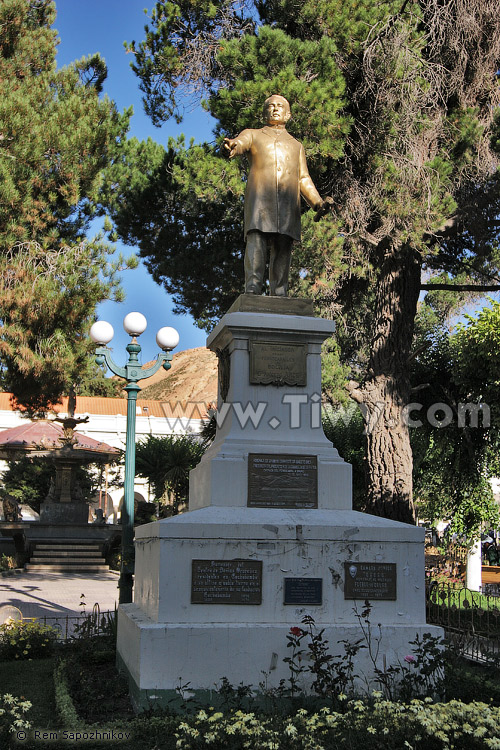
[{"x": 276, "y": 110}]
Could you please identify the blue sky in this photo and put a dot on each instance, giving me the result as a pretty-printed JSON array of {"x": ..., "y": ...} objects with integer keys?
[{"x": 89, "y": 26}]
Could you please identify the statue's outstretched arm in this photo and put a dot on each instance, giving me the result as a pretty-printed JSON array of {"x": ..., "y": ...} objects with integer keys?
[{"x": 238, "y": 145}]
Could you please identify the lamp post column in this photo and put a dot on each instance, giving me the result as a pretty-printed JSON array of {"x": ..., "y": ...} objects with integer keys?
[
  {"x": 167, "y": 338},
  {"x": 128, "y": 510}
]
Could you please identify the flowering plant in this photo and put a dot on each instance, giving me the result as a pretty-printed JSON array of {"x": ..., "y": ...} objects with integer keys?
[
  {"x": 370, "y": 725},
  {"x": 12, "y": 712},
  {"x": 26, "y": 640}
]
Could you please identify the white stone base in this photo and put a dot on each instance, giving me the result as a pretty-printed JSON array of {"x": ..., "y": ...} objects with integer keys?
[
  {"x": 164, "y": 640},
  {"x": 162, "y": 657}
]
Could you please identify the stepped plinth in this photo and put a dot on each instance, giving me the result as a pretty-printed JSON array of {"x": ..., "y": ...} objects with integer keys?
[{"x": 270, "y": 535}]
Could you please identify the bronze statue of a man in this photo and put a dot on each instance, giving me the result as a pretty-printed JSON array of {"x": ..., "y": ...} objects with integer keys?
[{"x": 277, "y": 178}]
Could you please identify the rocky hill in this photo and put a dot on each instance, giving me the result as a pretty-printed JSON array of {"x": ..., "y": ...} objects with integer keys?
[{"x": 192, "y": 378}]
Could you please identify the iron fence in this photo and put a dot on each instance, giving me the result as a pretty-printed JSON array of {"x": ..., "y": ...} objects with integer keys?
[
  {"x": 452, "y": 560},
  {"x": 470, "y": 619},
  {"x": 91, "y": 623}
]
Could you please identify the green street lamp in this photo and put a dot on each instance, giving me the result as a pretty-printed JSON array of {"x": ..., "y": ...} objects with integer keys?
[{"x": 167, "y": 339}]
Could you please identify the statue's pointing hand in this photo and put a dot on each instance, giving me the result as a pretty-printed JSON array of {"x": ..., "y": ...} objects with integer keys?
[
  {"x": 231, "y": 145},
  {"x": 324, "y": 208}
]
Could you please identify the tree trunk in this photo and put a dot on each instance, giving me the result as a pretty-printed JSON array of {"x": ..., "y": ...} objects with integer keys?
[{"x": 386, "y": 390}]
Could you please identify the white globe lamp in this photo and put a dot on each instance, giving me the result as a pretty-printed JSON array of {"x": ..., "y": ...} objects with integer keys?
[
  {"x": 102, "y": 332},
  {"x": 167, "y": 338},
  {"x": 135, "y": 323}
]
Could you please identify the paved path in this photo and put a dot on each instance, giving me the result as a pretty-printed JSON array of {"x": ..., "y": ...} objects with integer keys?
[{"x": 58, "y": 594}]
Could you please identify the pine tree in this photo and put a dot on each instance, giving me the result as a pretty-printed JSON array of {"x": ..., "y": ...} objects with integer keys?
[
  {"x": 56, "y": 137},
  {"x": 395, "y": 104}
]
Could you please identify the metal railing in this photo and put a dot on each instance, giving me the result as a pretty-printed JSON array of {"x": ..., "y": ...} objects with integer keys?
[
  {"x": 470, "y": 619},
  {"x": 453, "y": 560},
  {"x": 91, "y": 623}
]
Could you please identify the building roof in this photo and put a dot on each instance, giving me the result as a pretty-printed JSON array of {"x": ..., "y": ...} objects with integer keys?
[
  {"x": 46, "y": 435},
  {"x": 97, "y": 405}
]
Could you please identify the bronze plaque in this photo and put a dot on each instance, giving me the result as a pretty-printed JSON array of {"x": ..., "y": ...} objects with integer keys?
[
  {"x": 370, "y": 581},
  {"x": 272, "y": 363},
  {"x": 226, "y": 582},
  {"x": 282, "y": 481},
  {"x": 303, "y": 591}
]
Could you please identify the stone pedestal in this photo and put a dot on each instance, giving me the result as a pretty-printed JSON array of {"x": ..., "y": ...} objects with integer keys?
[
  {"x": 65, "y": 503},
  {"x": 64, "y": 513},
  {"x": 269, "y": 403},
  {"x": 270, "y": 535}
]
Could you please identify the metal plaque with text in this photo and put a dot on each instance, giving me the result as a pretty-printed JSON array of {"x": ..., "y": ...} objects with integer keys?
[
  {"x": 370, "y": 580},
  {"x": 272, "y": 363},
  {"x": 226, "y": 582},
  {"x": 303, "y": 591},
  {"x": 282, "y": 481}
]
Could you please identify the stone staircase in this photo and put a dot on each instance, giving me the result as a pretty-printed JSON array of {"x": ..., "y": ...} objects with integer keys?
[{"x": 67, "y": 556}]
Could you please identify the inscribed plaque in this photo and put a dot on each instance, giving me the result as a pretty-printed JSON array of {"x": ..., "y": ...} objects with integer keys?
[
  {"x": 226, "y": 582},
  {"x": 282, "y": 481},
  {"x": 272, "y": 363},
  {"x": 303, "y": 591},
  {"x": 370, "y": 581}
]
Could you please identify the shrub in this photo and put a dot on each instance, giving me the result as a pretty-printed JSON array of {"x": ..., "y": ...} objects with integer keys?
[
  {"x": 420, "y": 674},
  {"x": 12, "y": 711},
  {"x": 7, "y": 563},
  {"x": 371, "y": 725},
  {"x": 26, "y": 640},
  {"x": 66, "y": 711}
]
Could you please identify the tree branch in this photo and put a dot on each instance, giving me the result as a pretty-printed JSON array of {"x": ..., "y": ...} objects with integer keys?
[{"x": 461, "y": 287}]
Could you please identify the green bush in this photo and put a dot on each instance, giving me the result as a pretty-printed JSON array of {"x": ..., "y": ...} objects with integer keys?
[
  {"x": 7, "y": 563},
  {"x": 381, "y": 724},
  {"x": 26, "y": 640},
  {"x": 12, "y": 715},
  {"x": 66, "y": 711}
]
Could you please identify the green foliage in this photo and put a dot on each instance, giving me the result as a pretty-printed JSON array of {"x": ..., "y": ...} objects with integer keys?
[
  {"x": 272, "y": 61},
  {"x": 209, "y": 429},
  {"x": 336, "y": 678},
  {"x": 189, "y": 201},
  {"x": 453, "y": 462},
  {"x": 48, "y": 299},
  {"x": 468, "y": 682},
  {"x": 97, "y": 384},
  {"x": 344, "y": 427},
  {"x": 144, "y": 513},
  {"x": 94, "y": 626},
  {"x": 7, "y": 562},
  {"x": 67, "y": 714},
  {"x": 28, "y": 480},
  {"x": 13, "y": 715},
  {"x": 477, "y": 342},
  {"x": 373, "y": 721},
  {"x": 333, "y": 373},
  {"x": 26, "y": 640},
  {"x": 381, "y": 724},
  {"x": 56, "y": 137},
  {"x": 166, "y": 462}
]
